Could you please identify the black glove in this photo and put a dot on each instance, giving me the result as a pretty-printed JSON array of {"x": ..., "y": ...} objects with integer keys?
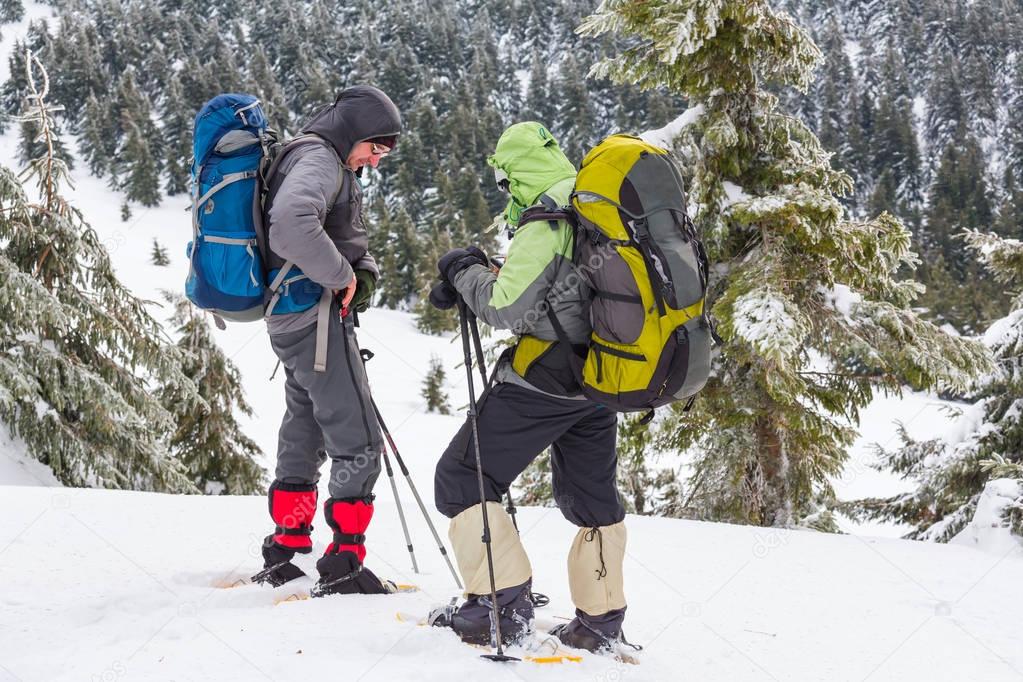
[
  {"x": 443, "y": 296},
  {"x": 456, "y": 260},
  {"x": 365, "y": 285}
]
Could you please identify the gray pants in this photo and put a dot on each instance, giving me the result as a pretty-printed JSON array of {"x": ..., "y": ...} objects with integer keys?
[{"x": 328, "y": 413}]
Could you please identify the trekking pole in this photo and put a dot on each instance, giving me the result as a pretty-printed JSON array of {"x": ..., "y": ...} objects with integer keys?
[
  {"x": 401, "y": 512},
  {"x": 415, "y": 492},
  {"x": 366, "y": 355},
  {"x": 478, "y": 345},
  {"x": 481, "y": 362},
  {"x": 494, "y": 613}
]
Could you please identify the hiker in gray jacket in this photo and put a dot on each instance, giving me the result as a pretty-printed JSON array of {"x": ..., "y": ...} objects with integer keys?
[{"x": 320, "y": 268}]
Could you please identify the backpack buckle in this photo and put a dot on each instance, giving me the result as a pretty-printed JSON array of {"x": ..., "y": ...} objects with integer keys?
[{"x": 639, "y": 228}]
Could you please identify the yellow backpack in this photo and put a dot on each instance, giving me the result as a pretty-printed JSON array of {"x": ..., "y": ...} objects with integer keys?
[{"x": 638, "y": 250}]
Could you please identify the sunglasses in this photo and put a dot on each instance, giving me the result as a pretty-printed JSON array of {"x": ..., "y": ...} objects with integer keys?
[
  {"x": 378, "y": 149},
  {"x": 502, "y": 179}
]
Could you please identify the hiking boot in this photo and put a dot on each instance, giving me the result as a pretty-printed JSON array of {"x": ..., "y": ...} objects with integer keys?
[
  {"x": 592, "y": 633},
  {"x": 472, "y": 620},
  {"x": 277, "y": 566},
  {"x": 341, "y": 569},
  {"x": 292, "y": 507}
]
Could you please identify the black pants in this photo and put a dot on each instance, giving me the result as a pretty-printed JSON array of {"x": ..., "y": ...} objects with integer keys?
[{"x": 515, "y": 426}]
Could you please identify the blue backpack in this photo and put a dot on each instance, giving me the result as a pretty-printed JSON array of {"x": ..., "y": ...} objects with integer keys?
[{"x": 235, "y": 153}]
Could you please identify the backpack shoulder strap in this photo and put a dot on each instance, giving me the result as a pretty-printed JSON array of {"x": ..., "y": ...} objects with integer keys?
[
  {"x": 273, "y": 156},
  {"x": 574, "y": 362},
  {"x": 326, "y": 296},
  {"x": 550, "y": 211},
  {"x": 301, "y": 141}
]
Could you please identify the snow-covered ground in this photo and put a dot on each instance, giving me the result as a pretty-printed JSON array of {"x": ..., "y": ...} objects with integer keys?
[
  {"x": 109, "y": 585},
  {"x": 924, "y": 415}
]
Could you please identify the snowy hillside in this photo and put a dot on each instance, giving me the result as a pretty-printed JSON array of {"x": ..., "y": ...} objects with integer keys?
[
  {"x": 402, "y": 354},
  {"x": 111, "y": 585},
  {"x": 105, "y": 585}
]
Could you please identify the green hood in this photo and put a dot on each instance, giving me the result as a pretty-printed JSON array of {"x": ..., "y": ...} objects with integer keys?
[{"x": 530, "y": 156}]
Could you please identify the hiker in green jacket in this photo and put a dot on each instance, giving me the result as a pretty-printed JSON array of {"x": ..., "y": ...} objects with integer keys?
[{"x": 534, "y": 402}]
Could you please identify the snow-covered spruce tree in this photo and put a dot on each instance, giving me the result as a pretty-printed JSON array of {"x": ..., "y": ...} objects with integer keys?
[
  {"x": 176, "y": 130},
  {"x": 635, "y": 479},
  {"x": 140, "y": 178},
  {"x": 158, "y": 256},
  {"x": 94, "y": 143},
  {"x": 575, "y": 111},
  {"x": 433, "y": 388},
  {"x": 209, "y": 442},
  {"x": 809, "y": 304},
  {"x": 11, "y": 10},
  {"x": 32, "y": 144},
  {"x": 429, "y": 320},
  {"x": 533, "y": 487},
  {"x": 398, "y": 258},
  {"x": 79, "y": 354},
  {"x": 951, "y": 473},
  {"x": 1005, "y": 472}
]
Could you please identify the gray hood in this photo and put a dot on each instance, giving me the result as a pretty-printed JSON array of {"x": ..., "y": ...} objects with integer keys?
[{"x": 361, "y": 112}]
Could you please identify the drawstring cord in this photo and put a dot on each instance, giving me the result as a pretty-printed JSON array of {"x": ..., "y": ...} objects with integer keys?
[{"x": 602, "y": 572}]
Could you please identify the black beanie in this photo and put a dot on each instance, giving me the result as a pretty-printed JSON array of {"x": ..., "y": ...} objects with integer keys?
[{"x": 389, "y": 141}]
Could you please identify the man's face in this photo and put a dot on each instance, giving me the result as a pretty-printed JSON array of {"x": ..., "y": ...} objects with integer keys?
[{"x": 366, "y": 153}]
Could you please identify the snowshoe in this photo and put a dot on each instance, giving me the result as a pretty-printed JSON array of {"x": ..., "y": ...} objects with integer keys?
[{"x": 278, "y": 568}]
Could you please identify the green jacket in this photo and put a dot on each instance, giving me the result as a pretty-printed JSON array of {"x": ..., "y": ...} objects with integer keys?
[{"x": 539, "y": 265}]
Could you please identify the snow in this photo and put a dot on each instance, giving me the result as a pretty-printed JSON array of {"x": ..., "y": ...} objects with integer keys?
[
  {"x": 919, "y": 121},
  {"x": 1004, "y": 329},
  {"x": 522, "y": 78},
  {"x": 17, "y": 467},
  {"x": 766, "y": 204},
  {"x": 842, "y": 299},
  {"x": 966, "y": 421},
  {"x": 949, "y": 329},
  {"x": 853, "y": 50},
  {"x": 664, "y": 137},
  {"x": 9, "y": 33},
  {"x": 110, "y": 585},
  {"x": 733, "y": 194},
  {"x": 988, "y": 531},
  {"x": 763, "y": 321},
  {"x": 923, "y": 415}
]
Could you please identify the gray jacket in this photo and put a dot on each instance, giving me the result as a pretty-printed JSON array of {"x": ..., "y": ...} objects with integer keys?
[{"x": 314, "y": 205}]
